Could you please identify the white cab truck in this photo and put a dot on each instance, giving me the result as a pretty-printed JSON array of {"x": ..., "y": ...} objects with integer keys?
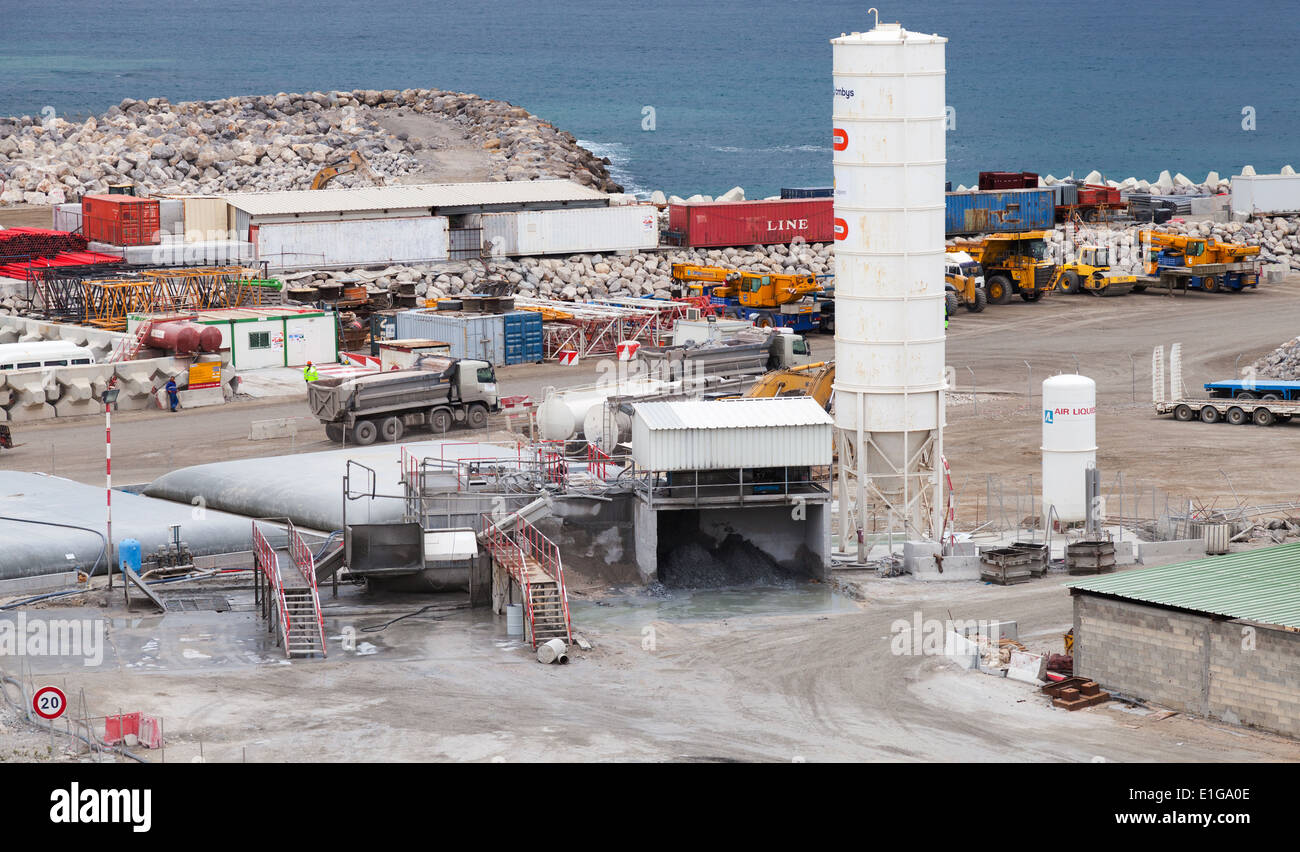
[{"x": 438, "y": 393}]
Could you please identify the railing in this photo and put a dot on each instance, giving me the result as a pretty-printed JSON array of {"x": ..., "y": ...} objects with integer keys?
[
  {"x": 547, "y": 554},
  {"x": 507, "y": 551},
  {"x": 597, "y": 460},
  {"x": 306, "y": 565},
  {"x": 270, "y": 566}
]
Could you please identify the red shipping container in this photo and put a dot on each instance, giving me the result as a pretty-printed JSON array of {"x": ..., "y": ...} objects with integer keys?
[
  {"x": 748, "y": 223},
  {"x": 1008, "y": 180},
  {"x": 120, "y": 220},
  {"x": 1094, "y": 194}
]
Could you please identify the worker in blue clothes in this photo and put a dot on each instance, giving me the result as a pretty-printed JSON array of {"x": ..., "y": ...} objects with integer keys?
[{"x": 173, "y": 398}]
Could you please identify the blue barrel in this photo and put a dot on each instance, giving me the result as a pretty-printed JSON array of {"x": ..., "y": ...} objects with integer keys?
[{"x": 129, "y": 554}]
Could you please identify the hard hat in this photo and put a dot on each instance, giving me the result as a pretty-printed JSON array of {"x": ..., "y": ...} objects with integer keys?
[{"x": 308, "y": 363}]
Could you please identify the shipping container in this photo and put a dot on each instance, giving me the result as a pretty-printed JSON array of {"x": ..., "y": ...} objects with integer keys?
[
  {"x": 1265, "y": 195},
  {"x": 350, "y": 242},
  {"x": 206, "y": 219},
  {"x": 67, "y": 217},
  {"x": 1008, "y": 180},
  {"x": 807, "y": 192},
  {"x": 120, "y": 220},
  {"x": 1000, "y": 211},
  {"x": 523, "y": 337},
  {"x": 628, "y": 227},
  {"x": 479, "y": 336},
  {"x": 747, "y": 223}
]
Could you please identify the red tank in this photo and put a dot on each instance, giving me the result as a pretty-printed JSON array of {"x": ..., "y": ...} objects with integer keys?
[
  {"x": 183, "y": 338},
  {"x": 209, "y": 338}
]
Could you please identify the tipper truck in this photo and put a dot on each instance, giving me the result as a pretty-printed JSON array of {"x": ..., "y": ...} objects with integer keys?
[{"x": 438, "y": 393}]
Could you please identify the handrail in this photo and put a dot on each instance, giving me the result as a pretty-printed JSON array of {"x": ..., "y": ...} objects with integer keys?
[
  {"x": 597, "y": 460},
  {"x": 265, "y": 555},
  {"x": 497, "y": 540},
  {"x": 306, "y": 566},
  {"x": 547, "y": 554}
]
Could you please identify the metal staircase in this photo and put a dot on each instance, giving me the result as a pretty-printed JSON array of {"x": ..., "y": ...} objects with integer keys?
[
  {"x": 533, "y": 561},
  {"x": 285, "y": 588}
]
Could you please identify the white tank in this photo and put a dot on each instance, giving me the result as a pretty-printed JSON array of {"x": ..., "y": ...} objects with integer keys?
[
  {"x": 605, "y": 428},
  {"x": 1069, "y": 444},
  {"x": 563, "y": 414},
  {"x": 889, "y": 157}
]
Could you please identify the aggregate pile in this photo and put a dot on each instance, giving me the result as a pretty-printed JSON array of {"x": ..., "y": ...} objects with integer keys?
[{"x": 269, "y": 142}]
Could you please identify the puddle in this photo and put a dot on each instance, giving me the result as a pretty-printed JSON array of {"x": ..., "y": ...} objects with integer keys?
[{"x": 685, "y": 605}]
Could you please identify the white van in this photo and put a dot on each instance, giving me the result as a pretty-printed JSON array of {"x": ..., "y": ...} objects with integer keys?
[{"x": 46, "y": 353}]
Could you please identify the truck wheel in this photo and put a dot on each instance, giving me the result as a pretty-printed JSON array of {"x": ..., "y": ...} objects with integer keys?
[
  {"x": 1263, "y": 417},
  {"x": 1183, "y": 413},
  {"x": 1031, "y": 295},
  {"x": 1210, "y": 284},
  {"x": 1209, "y": 414},
  {"x": 763, "y": 320},
  {"x": 1245, "y": 395},
  {"x": 365, "y": 433},
  {"x": 476, "y": 417},
  {"x": 390, "y": 429},
  {"x": 999, "y": 288},
  {"x": 979, "y": 303},
  {"x": 1269, "y": 396},
  {"x": 439, "y": 421},
  {"x": 951, "y": 302},
  {"x": 1071, "y": 283},
  {"x": 335, "y": 432},
  {"x": 1236, "y": 416},
  {"x": 1138, "y": 288}
]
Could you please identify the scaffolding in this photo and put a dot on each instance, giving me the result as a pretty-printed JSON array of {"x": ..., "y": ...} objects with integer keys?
[
  {"x": 597, "y": 327},
  {"x": 88, "y": 297}
]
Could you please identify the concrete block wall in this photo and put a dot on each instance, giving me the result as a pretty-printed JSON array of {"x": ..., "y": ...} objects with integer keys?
[
  {"x": 1228, "y": 670},
  {"x": 1255, "y": 676},
  {"x": 40, "y": 394},
  {"x": 1143, "y": 651}
]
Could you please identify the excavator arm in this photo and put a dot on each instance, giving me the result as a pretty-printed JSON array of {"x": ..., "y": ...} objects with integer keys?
[{"x": 354, "y": 162}]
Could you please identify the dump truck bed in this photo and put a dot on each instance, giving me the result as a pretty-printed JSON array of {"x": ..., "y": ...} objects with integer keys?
[{"x": 332, "y": 400}]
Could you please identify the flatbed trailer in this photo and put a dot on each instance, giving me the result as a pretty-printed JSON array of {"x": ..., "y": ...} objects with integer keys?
[
  {"x": 1261, "y": 412},
  {"x": 1209, "y": 277},
  {"x": 1257, "y": 388}
]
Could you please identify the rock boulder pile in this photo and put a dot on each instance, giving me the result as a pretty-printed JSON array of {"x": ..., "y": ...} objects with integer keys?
[
  {"x": 577, "y": 277},
  {"x": 271, "y": 142},
  {"x": 1282, "y": 363}
]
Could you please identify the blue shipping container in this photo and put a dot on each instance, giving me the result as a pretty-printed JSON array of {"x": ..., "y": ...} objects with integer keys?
[
  {"x": 807, "y": 192},
  {"x": 1000, "y": 211},
  {"x": 523, "y": 337},
  {"x": 478, "y": 336}
]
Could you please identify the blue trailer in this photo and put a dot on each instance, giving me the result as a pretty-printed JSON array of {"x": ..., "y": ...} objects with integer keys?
[
  {"x": 1210, "y": 277},
  {"x": 804, "y": 316},
  {"x": 999, "y": 211},
  {"x": 1266, "y": 389}
]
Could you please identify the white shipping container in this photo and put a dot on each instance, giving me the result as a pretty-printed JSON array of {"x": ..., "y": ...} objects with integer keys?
[
  {"x": 479, "y": 336},
  {"x": 633, "y": 227},
  {"x": 67, "y": 217},
  {"x": 731, "y": 433},
  {"x": 1265, "y": 195},
  {"x": 350, "y": 242}
]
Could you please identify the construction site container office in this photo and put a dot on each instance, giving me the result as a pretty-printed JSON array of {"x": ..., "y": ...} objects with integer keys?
[{"x": 270, "y": 337}]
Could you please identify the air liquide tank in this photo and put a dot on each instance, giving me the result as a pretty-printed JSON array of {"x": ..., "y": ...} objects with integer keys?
[{"x": 1069, "y": 445}]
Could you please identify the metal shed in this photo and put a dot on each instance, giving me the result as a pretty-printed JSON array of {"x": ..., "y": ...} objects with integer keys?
[{"x": 737, "y": 433}]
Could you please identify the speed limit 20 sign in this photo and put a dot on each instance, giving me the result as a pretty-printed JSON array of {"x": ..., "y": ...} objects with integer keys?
[{"x": 49, "y": 702}]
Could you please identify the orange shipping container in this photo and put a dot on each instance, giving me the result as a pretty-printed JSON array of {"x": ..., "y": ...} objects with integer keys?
[{"x": 120, "y": 220}]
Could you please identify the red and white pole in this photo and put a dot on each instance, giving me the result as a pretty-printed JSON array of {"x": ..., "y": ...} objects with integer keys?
[{"x": 108, "y": 485}]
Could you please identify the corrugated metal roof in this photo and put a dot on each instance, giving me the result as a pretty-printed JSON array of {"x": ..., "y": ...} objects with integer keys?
[
  {"x": 732, "y": 413},
  {"x": 1261, "y": 585},
  {"x": 409, "y": 197}
]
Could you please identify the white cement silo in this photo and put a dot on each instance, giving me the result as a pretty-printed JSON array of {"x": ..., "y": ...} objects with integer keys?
[
  {"x": 1069, "y": 445},
  {"x": 889, "y": 156}
]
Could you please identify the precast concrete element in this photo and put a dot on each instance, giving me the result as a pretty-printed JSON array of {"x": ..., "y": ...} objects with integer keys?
[{"x": 32, "y": 393}]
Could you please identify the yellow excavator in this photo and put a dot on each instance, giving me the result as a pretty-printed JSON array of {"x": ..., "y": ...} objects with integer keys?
[
  {"x": 354, "y": 162},
  {"x": 815, "y": 380}
]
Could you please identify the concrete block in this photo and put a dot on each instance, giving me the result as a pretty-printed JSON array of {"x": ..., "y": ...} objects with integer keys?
[
  {"x": 31, "y": 392},
  {"x": 955, "y": 569},
  {"x": 918, "y": 556},
  {"x": 1188, "y": 548},
  {"x": 1125, "y": 553},
  {"x": 1027, "y": 667},
  {"x": 201, "y": 397},
  {"x": 39, "y": 583},
  {"x": 961, "y": 650},
  {"x": 281, "y": 427}
]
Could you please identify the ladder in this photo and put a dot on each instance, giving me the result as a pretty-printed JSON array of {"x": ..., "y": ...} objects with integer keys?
[
  {"x": 291, "y": 600},
  {"x": 533, "y": 561}
]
